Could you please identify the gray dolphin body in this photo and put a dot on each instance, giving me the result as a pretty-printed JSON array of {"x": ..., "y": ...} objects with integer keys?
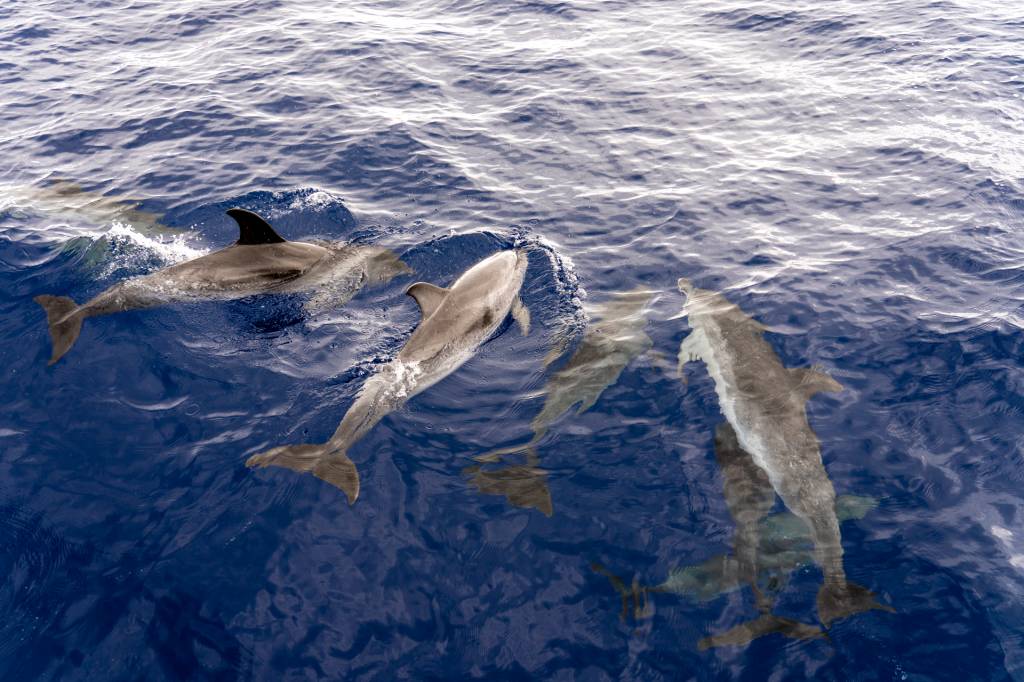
[
  {"x": 765, "y": 402},
  {"x": 615, "y": 339},
  {"x": 260, "y": 262},
  {"x": 455, "y": 322}
]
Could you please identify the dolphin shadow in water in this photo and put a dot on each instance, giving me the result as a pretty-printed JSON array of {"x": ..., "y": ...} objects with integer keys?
[
  {"x": 765, "y": 403},
  {"x": 615, "y": 339},
  {"x": 455, "y": 322},
  {"x": 260, "y": 262}
]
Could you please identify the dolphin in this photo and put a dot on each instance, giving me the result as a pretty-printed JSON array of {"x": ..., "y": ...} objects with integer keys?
[
  {"x": 615, "y": 339},
  {"x": 750, "y": 497},
  {"x": 67, "y": 198},
  {"x": 784, "y": 546},
  {"x": 455, "y": 321},
  {"x": 765, "y": 402},
  {"x": 260, "y": 262}
]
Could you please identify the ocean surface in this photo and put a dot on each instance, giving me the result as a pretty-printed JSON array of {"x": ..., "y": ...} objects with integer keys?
[{"x": 850, "y": 174}]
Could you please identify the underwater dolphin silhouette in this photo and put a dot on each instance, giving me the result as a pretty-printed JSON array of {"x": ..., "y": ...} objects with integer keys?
[
  {"x": 455, "y": 322},
  {"x": 765, "y": 402},
  {"x": 260, "y": 262},
  {"x": 750, "y": 497},
  {"x": 613, "y": 341},
  {"x": 783, "y": 546}
]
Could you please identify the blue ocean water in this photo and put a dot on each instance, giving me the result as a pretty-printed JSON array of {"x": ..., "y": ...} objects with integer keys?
[{"x": 850, "y": 174}]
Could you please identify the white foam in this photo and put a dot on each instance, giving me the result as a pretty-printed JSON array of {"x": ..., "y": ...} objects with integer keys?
[
  {"x": 130, "y": 248},
  {"x": 316, "y": 200}
]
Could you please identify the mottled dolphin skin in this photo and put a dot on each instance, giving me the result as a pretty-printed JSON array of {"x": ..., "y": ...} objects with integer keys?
[
  {"x": 455, "y": 322},
  {"x": 765, "y": 402},
  {"x": 614, "y": 340},
  {"x": 260, "y": 262}
]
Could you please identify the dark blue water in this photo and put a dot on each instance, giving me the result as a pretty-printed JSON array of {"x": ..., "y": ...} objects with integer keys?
[{"x": 851, "y": 175}]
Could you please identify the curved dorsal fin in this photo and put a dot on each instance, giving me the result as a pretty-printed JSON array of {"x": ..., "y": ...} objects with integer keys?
[
  {"x": 427, "y": 296},
  {"x": 253, "y": 229}
]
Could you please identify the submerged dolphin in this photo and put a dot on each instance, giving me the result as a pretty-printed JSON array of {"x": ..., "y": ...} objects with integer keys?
[
  {"x": 784, "y": 546},
  {"x": 455, "y": 322},
  {"x": 66, "y": 198},
  {"x": 615, "y": 339},
  {"x": 765, "y": 402},
  {"x": 260, "y": 262},
  {"x": 750, "y": 497}
]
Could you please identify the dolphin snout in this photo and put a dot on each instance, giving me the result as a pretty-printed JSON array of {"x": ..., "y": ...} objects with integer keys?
[{"x": 685, "y": 286}]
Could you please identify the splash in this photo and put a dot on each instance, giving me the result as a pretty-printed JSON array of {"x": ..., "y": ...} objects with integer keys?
[
  {"x": 122, "y": 247},
  {"x": 572, "y": 314},
  {"x": 317, "y": 200}
]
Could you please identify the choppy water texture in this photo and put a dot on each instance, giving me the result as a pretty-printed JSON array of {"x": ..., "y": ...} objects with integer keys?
[{"x": 849, "y": 173}]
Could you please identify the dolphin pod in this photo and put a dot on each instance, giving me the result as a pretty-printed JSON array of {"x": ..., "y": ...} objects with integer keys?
[
  {"x": 260, "y": 262},
  {"x": 765, "y": 448}
]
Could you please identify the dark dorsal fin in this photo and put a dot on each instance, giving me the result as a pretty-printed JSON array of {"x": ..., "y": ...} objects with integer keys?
[
  {"x": 253, "y": 229},
  {"x": 427, "y": 296}
]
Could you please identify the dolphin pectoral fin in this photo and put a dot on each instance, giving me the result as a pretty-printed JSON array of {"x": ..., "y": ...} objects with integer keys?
[
  {"x": 744, "y": 633},
  {"x": 382, "y": 265},
  {"x": 322, "y": 461},
  {"x": 811, "y": 380},
  {"x": 65, "y": 324},
  {"x": 839, "y": 601},
  {"x": 252, "y": 229},
  {"x": 689, "y": 350},
  {"x": 428, "y": 297},
  {"x": 854, "y": 507},
  {"x": 521, "y": 314}
]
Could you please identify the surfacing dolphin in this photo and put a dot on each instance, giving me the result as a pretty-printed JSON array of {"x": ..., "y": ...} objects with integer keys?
[
  {"x": 765, "y": 402},
  {"x": 260, "y": 262},
  {"x": 613, "y": 341},
  {"x": 455, "y": 322}
]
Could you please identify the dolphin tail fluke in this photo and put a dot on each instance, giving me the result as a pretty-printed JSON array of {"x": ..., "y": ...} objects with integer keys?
[
  {"x": 323, "y": 461},
  {"x": 837, "y": 601},
  {"x": 744, "y": 633},
  {"x": 65, "y": 323},
  {"x": 524, "y": 485}
]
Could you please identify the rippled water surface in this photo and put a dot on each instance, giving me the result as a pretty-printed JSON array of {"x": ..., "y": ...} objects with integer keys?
[{"x": 850, "y": 174}]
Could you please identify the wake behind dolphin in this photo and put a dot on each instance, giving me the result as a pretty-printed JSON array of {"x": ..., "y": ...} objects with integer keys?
[
  {"x": 765, "y": 402},
  {"x": 455, "y": 322},
  {"x": 260, "y": 262}
]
